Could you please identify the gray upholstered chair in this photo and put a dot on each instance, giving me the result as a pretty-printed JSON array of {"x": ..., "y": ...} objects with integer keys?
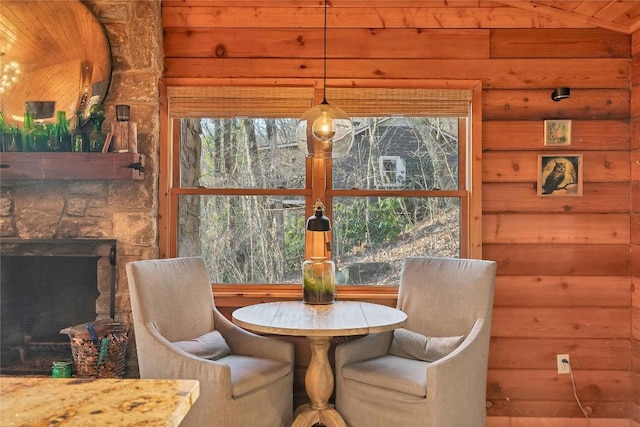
[
  {"x": 245, "y": 379},
  {"x": 432, "y": 372}
]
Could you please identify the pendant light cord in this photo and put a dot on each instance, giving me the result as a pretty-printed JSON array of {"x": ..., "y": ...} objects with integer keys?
[{"x": 324, "y": 82}]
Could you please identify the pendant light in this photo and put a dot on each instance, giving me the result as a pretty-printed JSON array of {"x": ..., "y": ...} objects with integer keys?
[
  {"x": 325, "y": 130},
  {"x": 318, "y": 221}
]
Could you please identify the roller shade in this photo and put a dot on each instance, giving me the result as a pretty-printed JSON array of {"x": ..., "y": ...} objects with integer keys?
[
  {"x": 272, "y": 102},
  {"x": 264, "y": 102},
  {"x": 382, "y": 102}
]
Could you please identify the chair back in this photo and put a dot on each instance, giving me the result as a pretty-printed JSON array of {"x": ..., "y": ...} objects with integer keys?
[
  {"x": 445, "y": 296},
  {"x": 175, "y": 294}
]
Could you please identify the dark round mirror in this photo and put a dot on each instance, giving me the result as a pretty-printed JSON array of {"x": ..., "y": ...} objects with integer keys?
[{"x": 54, "y": 56}]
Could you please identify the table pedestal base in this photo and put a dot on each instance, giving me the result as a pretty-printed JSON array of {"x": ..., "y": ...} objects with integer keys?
[
  {"x": 306, "y": 416},
  {"x": 319, "y": 385}
]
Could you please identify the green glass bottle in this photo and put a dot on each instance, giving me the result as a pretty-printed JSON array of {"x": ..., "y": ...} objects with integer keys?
[
  {"x": 16, "y": 138},
  {"x": 40, "y": 138},
  {"x": 79, "y": 142},
  {"x": 28, "y": 138},
  {"x": 97, "y": 138},
  {"x": 5, "y": 134},
  {"x": 52, "y": 137},
  {"x": 63, "y": 132}
]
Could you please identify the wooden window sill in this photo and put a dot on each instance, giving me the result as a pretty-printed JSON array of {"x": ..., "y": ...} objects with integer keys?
[{"x": 241, "y": 295}]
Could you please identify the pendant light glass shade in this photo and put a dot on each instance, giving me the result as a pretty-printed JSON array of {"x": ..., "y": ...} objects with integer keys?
[{"x": 325, "y": 131}]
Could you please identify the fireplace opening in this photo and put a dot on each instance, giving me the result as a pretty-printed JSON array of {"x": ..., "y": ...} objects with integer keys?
[{"x": 46, "y": 287}]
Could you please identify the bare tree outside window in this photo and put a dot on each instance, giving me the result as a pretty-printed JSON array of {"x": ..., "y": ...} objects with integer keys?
[{"x": 259, "y": 238}]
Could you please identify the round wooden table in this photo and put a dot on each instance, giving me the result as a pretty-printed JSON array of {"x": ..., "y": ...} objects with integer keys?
[{"x": 319, "y": 323}]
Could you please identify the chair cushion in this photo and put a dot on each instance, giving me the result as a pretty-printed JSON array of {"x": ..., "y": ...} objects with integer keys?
[
  {"x": 392, "y": 372},
  {"x": 211, "y": 345},
  {"x": 413, "y": 345},
  {"x": 251, "y": 373}
]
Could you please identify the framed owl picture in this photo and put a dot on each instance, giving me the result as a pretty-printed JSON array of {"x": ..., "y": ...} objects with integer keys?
[
  {"x": 557, "y": 133},
  {"x": 559, "y": 175}
]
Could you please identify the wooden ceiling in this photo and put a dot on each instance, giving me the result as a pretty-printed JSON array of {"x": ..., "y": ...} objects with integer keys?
[{"x": 621, "y": 16}]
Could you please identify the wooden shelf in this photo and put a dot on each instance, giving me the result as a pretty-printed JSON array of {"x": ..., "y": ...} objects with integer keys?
[{"x": 71, "y": 166}]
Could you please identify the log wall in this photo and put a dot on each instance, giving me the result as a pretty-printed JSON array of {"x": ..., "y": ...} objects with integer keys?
[
  {"x": 564, "y": 280},
  {"x": 635, "y": 226}
]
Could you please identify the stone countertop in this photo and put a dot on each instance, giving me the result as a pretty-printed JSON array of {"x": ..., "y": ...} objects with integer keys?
[{"x": 28, "y": 401}]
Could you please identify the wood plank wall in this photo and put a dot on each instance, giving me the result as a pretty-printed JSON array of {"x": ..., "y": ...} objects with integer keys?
[
  {"x": 564, "y": 264},
  {"x": 563, "y": 284},
  {"x": 635, "y": 225}
]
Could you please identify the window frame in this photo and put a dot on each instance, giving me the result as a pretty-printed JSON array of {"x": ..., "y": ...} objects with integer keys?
[{"x": 235, "y": 295}]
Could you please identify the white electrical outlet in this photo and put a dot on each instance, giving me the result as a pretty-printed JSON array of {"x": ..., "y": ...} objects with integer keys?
[{"x": 563, "y": 363}]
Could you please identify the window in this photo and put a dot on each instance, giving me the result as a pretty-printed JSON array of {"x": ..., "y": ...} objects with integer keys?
[
  {"x": 239, "y": 190},
  {"x": 392, "y": 172}
]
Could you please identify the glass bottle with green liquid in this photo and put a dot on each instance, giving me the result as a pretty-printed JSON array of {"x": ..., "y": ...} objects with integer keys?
[
  {"x": 79, "y": 142},
  {"x": 97, "y": 138},
  {"x": 5, "y": 134},
  {"x": 40, "y": 138},
  {"x": 63, "y": 133},
  {"x": 28, "y": 137}
]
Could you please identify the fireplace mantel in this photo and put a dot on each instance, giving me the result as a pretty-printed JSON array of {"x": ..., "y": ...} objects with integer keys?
[
  {"x": 66, "y": 166},
  {"x": 64, "y": 247}
]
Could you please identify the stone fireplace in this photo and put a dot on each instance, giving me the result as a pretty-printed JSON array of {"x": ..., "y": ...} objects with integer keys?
[
  {"x": 48, "y": 285},
  {"x": 122, "y": 211}
]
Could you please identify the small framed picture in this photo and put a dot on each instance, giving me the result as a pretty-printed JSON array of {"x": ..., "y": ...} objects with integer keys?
[
  {"x": 559, "y": 175},
  {"x": 557, "y": 133}
]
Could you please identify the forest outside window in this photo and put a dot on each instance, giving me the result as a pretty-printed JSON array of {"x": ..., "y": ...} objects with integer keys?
[{"x": 241, "y": 189}]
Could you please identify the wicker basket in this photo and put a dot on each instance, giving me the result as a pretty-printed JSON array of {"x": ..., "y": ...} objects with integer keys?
[{"x": 86, "y": 354}]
